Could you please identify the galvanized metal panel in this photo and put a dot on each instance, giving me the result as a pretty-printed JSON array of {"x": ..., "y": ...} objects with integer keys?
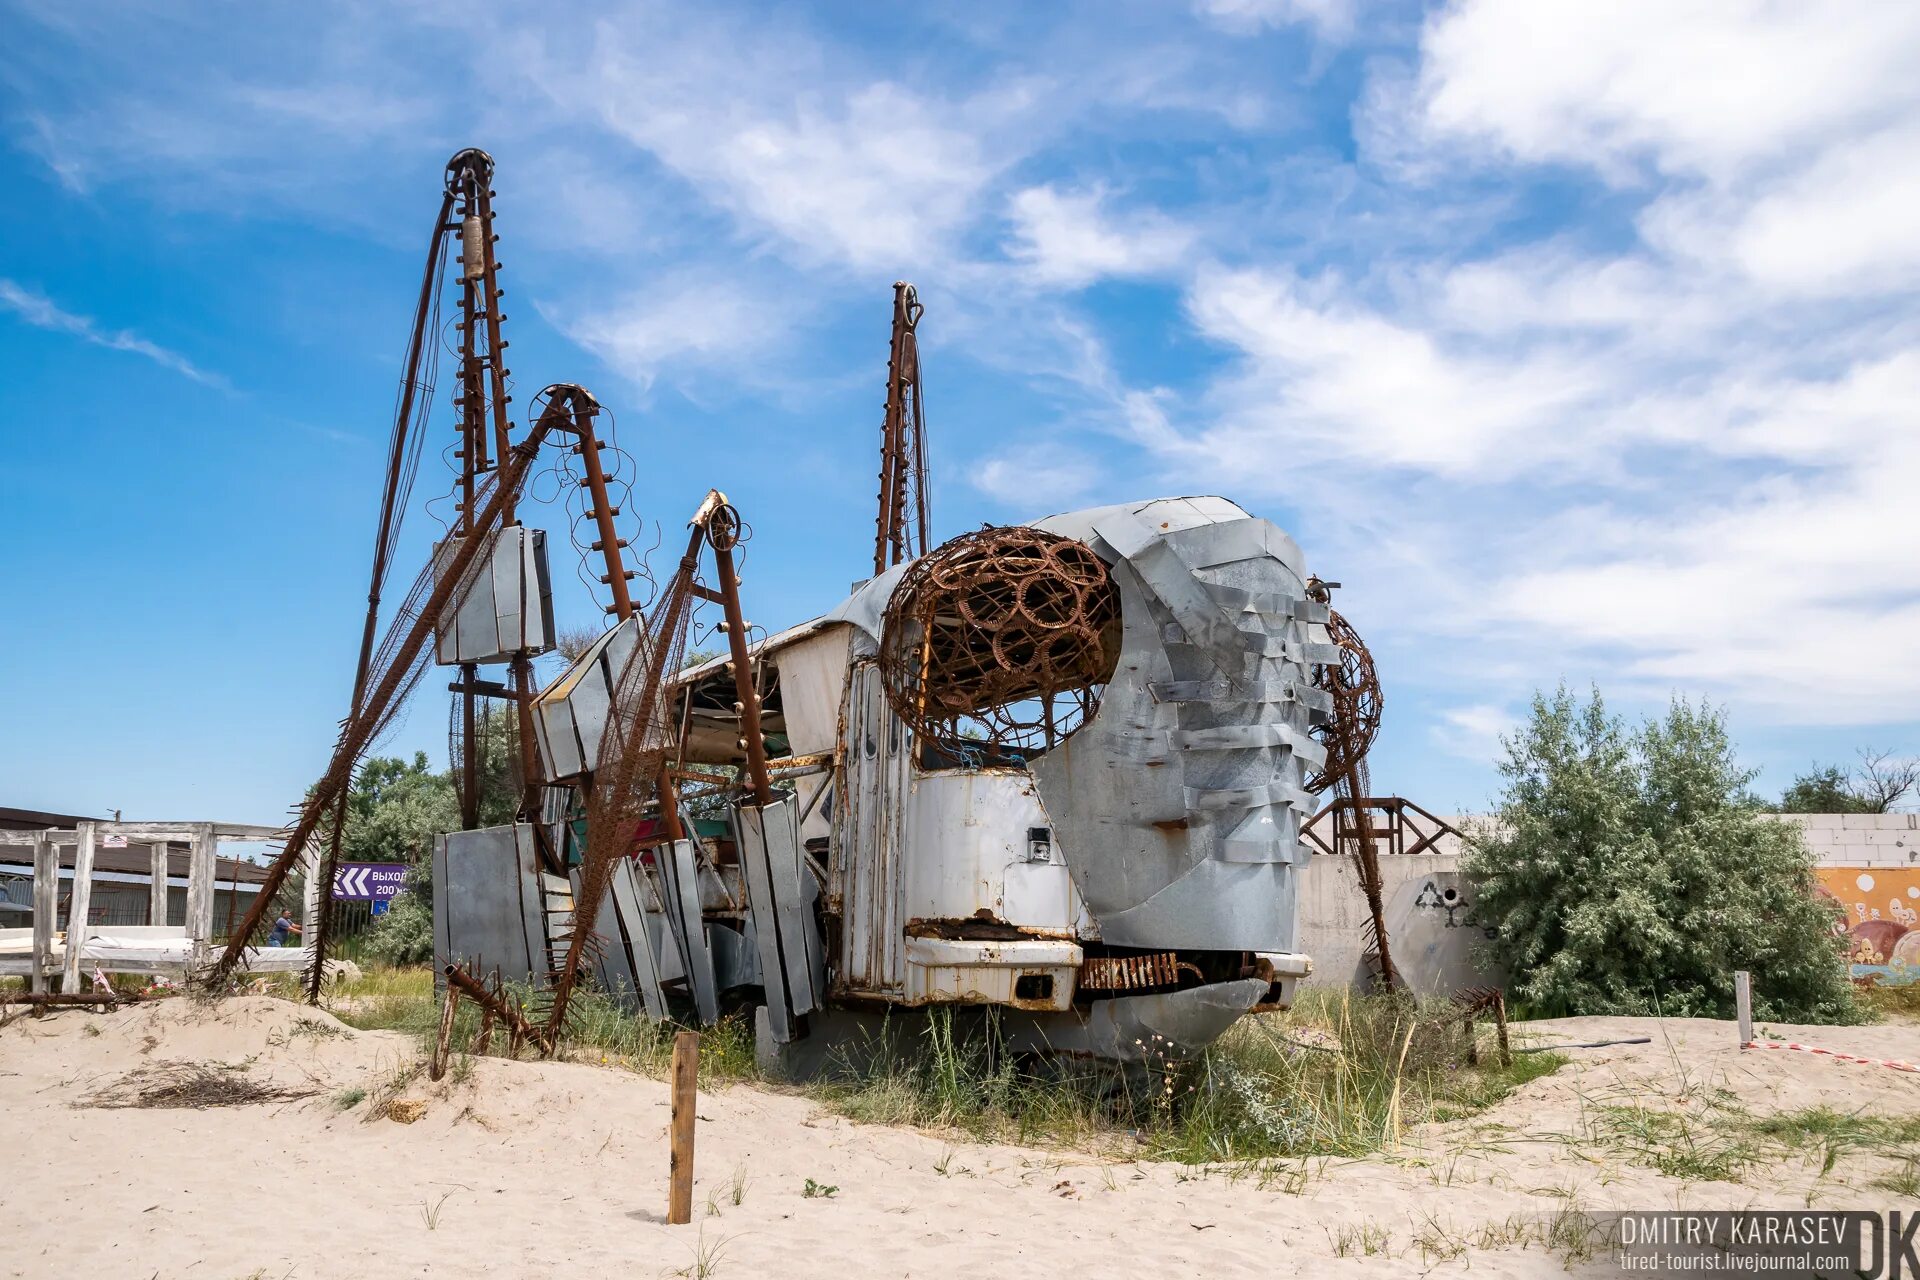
[
  {"x": 570, "y": 715},
  {"x": 487, "y": 902},
  {"x": 769, "y": 844},
  {"x": 1178, "y": 804},
  {"x": 871, "y": 799},
  {"x": 510, "y": 607},
  {"x": 697, "y": 956}
]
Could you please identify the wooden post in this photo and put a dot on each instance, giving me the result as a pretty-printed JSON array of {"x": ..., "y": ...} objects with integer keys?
[
  {"x": 157, "y": 891},
  {"x": 1500, "y": 1022},
  {"x": 200, "y": 892},
  {"x": 310, "y": 903},
  {"x": 79, "y": 905},
  {"x": 442, "y": 1047},
  {"x": 46, "y": 902},
  {"x": 1743, "y": 1005},
  {"x": 686, "y": 1071}
]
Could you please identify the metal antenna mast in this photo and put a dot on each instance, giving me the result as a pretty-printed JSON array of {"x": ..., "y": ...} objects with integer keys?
[
  {"x": 482, "y": 402},
  {"x": 901, "y": 531}
]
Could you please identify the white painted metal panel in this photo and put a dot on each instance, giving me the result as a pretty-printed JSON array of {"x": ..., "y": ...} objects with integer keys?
[
  {"x": 869, "y": 826},
  {"x": 813, "y": 675},
  {"x": 969, "y": 837}
]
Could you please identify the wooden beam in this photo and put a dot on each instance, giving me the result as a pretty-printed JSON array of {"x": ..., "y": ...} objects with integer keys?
[
  {"x": 79, "y": 907},
  {"x": 200, "y": 885},
  {"x": 157, "y": 889},
  {"x": 46, "y": 901}
]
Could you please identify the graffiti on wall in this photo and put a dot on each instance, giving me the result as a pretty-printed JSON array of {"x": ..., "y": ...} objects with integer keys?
[{"x": 1882, "y": 906}]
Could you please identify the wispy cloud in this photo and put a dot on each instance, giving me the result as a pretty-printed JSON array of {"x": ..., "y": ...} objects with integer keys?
[{"x": 42, "y": 312}]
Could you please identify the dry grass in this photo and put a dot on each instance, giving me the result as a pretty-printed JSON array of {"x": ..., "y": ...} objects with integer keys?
[{"x": 192, "y": 1085}]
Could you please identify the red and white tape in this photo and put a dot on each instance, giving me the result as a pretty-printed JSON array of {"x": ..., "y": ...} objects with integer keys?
[{"x": 1832, "y": 1053}]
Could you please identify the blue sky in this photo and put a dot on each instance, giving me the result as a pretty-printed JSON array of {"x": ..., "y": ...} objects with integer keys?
[{"x": 1577, "y": 340}]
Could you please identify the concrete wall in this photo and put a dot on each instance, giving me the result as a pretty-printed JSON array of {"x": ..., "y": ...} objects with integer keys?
[
  {"x": 1860, "y": 839},
  {"x": 1428, "y": 902}
]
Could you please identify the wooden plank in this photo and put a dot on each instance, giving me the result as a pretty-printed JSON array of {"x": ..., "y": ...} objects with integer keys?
[
  {"x": 46, "y": 901},
  {"x": 686, "y": 1075},
  {"x": 157, "y": 890},
  {"x": 79, "y": 906},
  {"x": 200, "y": 890}
]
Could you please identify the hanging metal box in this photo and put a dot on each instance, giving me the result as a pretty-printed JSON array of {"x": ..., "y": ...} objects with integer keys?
[
  {"x": 510, "y": 608},
  {"x": 570, "y": 715}
]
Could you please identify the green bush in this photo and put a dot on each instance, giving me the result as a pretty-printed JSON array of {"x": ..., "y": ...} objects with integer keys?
[{"x": 1630, "y": 872}]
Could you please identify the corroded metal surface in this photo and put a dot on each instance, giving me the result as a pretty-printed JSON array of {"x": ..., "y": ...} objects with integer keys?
[{"x": 999, "y": 642}]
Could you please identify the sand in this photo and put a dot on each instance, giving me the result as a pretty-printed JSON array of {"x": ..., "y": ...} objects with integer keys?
[{"x": 559, "y": 1169}]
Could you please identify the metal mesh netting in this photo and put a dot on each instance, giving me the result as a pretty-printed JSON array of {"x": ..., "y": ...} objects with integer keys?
[
  {"x": 1354, "y": 686},
  {"x": 1000, "y": 638},
  {"x": 398, "y": 664},
  {"x": 626, "y": 776}
]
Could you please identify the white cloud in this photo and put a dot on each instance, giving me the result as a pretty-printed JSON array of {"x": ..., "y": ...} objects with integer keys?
[
  {"x": 1473, "y": 732},
  {"x": 42, "y": 312},
  {"x": 1322, "y": 375},
  {"x": 1332, "y": 19},
  {"x": 1038, "y": 479},
  {"x": 686, "y": 321},
  {"x": 843, "y": 168},
  {"x": 1071, "y": 238},
  {"x": 1839, "y": 225},
  {"x": 1693, "y": 86}
]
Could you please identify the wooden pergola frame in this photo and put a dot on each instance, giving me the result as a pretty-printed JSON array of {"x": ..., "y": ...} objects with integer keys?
[{"x": 203, "y": 841}]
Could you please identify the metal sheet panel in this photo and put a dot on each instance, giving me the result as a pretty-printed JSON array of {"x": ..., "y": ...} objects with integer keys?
[
  {"x": 570, "y": 715},
  {"x": 813, "y": 674},
  {"x": 1178, "y": 804},
  {"x": 769, "y": 842},
  {"x": 691, "y": 932},
  {"x": 510, "y": 608},
  {"x": 871, "y": 797},
  {"x": 487, "y": 903}
]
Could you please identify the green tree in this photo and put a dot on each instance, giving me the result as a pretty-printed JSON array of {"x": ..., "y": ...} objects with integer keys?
[
  {"x": 1875, "y": 785},
  {"x": 395, "y": 808},
  {"x": 1631, "y": 872}
]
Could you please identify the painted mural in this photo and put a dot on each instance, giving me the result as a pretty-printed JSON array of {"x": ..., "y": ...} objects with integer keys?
[{"x": 1883, "y": 920}]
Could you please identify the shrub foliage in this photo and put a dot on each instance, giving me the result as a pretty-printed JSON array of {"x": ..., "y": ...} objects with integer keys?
[{"x": 1631, "y": 872}]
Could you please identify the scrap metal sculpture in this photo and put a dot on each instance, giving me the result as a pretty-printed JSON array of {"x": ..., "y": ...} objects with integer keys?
[
  {"x": 1354, "y": 687},
  {"x": 393, "y": 673},
  {"x": 1001, "y": 640},
  {"x": 901, "y": 531}
]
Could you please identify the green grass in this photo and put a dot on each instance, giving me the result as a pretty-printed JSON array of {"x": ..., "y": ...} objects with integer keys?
[
  {"x": 1376, "y": 1066},
  {"x": 1900, "y": 1004}
]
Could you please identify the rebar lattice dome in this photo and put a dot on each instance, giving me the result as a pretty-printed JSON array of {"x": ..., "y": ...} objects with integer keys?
[{"x": 1001, "y": 638}]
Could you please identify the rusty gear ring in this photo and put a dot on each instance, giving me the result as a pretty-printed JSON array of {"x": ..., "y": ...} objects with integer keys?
[
  {"x": 1354, "y": 687},
  {"x": 1000, "y": 639}
]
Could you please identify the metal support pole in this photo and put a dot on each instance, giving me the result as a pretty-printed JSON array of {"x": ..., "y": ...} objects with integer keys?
[
  {"x": 1743, "y": 1005},
  {"x": 751, "y": 740}
]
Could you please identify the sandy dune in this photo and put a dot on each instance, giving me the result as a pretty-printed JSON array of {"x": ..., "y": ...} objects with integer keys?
[{"x": 549, "y": 1169}]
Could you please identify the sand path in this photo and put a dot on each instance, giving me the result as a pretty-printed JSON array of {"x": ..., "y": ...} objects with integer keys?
[{"x": 552, "y": 1169}]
